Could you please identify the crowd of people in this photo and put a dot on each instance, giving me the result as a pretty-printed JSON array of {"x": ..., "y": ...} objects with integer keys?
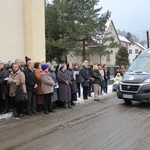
[{"x": 48, "y": 87}]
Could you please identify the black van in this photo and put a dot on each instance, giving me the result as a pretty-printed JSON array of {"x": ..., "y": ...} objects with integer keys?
[{"x": 135, "y": 85}]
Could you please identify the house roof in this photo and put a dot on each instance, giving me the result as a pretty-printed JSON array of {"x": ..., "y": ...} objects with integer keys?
[
  {"x": 140, "y": 45},
  {"x": 123, "y": 39},
  {"x": 108, "y": 23}
]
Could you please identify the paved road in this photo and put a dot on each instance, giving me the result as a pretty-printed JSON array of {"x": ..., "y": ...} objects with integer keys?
[{"x": 105, "y": 125}]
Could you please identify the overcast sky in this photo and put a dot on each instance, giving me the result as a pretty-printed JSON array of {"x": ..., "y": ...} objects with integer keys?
[{"x": 129, "y": 15}]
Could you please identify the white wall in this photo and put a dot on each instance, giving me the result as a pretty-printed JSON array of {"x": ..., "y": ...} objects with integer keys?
[
  {"x": 11, "y": 30},
  {"x": 133, "y": 55}
]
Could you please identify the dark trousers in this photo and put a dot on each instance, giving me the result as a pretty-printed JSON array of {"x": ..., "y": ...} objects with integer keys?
[
  {"x": 31, "y": 103},
  {"x": 85, "y": 92},
  {"x": 74, "y": 97},
  {"x": 1, "y": 103},
  {"x": 12, "y": 104},
  {"x": 105, "y": 88},
  {"x": 20, "y": 107},
  {"x": 5, "y": 102},
  {"x": 48, "y": 106},
  {"x": 90, "y": 88},
  {"x": 79, "y": 90}
]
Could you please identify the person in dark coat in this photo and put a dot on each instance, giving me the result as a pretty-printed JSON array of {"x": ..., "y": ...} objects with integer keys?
[
  {"x": 86, "y": 76},
  {"x": 73, "y": 84},
  {"x": 106, "y": 78},
  {"x": 64, "y": 86},
  {"x": 4, "y": 107},
  {"x": 54, "y": 96},
  {"x": 31, "y": 84},
  {"x": 96, "y": 83}
]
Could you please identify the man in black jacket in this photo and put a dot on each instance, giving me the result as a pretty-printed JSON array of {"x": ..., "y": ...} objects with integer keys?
[
  {"x": 31, "y": 85},
  {"x": 3, "y": 89}
]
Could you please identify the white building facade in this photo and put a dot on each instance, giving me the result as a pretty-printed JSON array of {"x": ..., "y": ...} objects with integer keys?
[
  {"x": 22, "y": 29},
  {"x": 134, "y": 50}
]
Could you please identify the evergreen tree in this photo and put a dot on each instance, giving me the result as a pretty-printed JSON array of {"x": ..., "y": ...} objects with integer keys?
[
  {"x": 76, "y": 22},
  {"x": 53, "y": 52},
  {"x": 89, "y": 23},
  {"x": 122, "y": 56},
  {"x": 129, "y": 37}
]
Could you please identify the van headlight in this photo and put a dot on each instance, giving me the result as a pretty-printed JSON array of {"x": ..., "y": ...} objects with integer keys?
[{"x": 146, "y": 81}]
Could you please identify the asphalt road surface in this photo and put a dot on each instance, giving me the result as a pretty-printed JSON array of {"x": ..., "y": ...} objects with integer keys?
[{"x": 108, "y": 124}]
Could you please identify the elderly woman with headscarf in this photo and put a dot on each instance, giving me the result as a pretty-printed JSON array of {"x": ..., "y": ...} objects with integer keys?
[
  {"x": 64, "y": 82},
  {"x": 47, "y": 84}
]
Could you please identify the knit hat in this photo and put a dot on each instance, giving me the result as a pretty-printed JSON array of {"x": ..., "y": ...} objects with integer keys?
[{"x": 44, "y": 66}]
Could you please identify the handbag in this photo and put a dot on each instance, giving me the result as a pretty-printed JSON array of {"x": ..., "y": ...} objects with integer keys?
[
  {"x": 21, "y": 96},
  {"x": 80, "y": 79}
]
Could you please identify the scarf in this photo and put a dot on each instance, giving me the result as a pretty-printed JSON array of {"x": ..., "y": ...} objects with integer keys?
[{"x": 45, "y": 71}]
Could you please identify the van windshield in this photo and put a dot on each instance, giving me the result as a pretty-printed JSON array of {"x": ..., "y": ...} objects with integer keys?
[{"x": 140, "y": 65}]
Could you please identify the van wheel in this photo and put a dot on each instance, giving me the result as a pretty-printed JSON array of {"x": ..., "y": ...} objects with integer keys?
[{"x": 127, "y": 101}]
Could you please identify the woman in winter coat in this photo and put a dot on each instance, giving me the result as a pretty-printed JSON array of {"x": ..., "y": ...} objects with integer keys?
[
  {"x": 86, "y": 76},
  {"x": 64, "y": 86},
  {"x": 73, "y": 84},
  {"x": 39, "y": 93},
  {"x": 17, "y": 78},
  {"x": 96, "y": 83},
  {"x": 101, "y": 71},
  {"x": 117, "y": 80},
  {"x": 54, "y": 96},
  {"x": 47, "y": 84}
]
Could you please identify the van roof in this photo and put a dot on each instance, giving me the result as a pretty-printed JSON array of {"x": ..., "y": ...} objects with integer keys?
[{"x": 145, "y": 52}]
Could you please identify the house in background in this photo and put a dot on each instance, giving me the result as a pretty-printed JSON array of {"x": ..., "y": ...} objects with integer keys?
[
  {"x": 133, "y": 48},
  {"x": 109, "y": 58},
  {"x": 124, "y": 41}
]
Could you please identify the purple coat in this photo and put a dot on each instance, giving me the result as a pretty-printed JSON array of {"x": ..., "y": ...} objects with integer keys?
[{"x": 64, "y": 89}]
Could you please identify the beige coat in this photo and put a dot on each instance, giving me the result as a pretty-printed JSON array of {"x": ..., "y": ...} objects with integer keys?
[
  {"x": 102, "y": 73},
  {"x": 47, "y": 83},
  {"x": 19, "y": 78}
]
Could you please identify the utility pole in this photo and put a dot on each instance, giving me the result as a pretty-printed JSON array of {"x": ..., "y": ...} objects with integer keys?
[{"x": 147, "y": 36}]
